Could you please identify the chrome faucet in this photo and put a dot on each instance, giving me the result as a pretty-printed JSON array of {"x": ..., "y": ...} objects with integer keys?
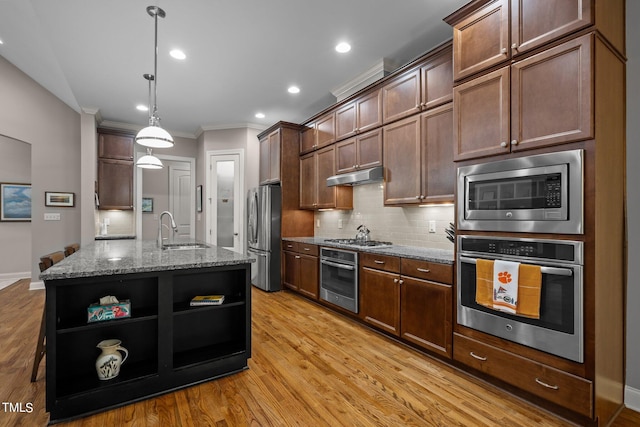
[{"x": 173, "y": 225}]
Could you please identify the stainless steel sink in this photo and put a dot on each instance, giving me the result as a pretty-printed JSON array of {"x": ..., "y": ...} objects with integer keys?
[{"x": 184, "y": 246}]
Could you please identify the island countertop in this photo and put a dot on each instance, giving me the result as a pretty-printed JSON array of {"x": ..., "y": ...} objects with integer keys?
[{"x": 110, "y": 257}]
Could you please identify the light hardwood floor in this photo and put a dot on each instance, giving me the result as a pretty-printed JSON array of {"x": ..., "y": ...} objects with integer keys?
[{"x": 310, "y": 367}]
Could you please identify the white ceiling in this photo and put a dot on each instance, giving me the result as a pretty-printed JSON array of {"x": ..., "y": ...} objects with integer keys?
[{"x": 241, "y": 54}]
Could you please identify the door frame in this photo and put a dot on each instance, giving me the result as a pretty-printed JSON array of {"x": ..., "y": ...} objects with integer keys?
[
  {"x": 241, "y": 196},
  {"x": 138, "y": 184}
]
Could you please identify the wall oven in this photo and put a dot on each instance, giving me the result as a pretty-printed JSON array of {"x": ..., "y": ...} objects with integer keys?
[
  {"x": 559, "y": 330},
  {"x": 339, "y": 278},
  {"x": 535, "y": 194}
]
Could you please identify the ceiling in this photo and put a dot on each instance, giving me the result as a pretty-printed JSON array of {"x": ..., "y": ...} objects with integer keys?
[{"x": 242, "y": 55}]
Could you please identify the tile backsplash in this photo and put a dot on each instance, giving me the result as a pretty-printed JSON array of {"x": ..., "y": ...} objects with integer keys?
[
  {"x": 120, "y": 222},
  {"x": 400, "y": 225}
]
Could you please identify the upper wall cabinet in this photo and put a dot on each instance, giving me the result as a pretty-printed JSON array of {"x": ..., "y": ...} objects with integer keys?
[
  {"x": 115, "y": 169},
  {"x": 270, "y": 158},
  {"x": 319, "y": 134},
  {"x": 419, "y": 89},
  {"x": 359, "y": 115}
]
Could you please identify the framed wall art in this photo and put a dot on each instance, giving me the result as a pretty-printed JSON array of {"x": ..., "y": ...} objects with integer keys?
[
  {"x": 15, "y": 202},
  {"x": 147, "y": 204},
  {"x": 59, "y": 200}
]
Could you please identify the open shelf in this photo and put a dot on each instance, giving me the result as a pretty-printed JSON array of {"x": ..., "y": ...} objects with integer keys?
[
  {"x": 183, "y": 307},
  {"x": 196, "y": 356},
  {"x": 79, "y": 322}
]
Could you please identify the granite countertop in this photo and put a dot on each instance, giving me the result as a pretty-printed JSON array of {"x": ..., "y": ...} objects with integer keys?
[
  {"x": 109, "y": 257},
  {"x": 442, "y": 256},
  {"x": 114, "y": 236}
]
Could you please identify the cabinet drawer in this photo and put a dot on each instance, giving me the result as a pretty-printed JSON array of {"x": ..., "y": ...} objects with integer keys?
[
  {"x": 433, "y": 271},
  {"x": 289, "y": 246},
  {"x": 564, "y": 389},
  {"x": 306, "y": 249},
  {"x": 380, "y": 262}
]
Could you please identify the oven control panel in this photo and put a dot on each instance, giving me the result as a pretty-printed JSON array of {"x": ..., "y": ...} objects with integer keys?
[{"x": 556, "y": 250}]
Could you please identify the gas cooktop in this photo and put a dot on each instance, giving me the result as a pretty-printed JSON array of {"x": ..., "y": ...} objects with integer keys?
[{"x": 355, "y": 242}]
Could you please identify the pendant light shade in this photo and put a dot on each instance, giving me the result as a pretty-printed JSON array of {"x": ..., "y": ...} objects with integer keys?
[
  {"x": 154, "y": 136},
  {"x": 149, "y": 161}
]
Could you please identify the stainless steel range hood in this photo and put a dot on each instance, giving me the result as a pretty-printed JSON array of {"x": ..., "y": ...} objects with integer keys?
[{"x": 365, "y": 176}]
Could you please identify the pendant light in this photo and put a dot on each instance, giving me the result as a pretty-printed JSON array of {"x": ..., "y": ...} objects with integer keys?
[
  {"x": 149, "y": 161},
  {"x": 154, "y": 136}
]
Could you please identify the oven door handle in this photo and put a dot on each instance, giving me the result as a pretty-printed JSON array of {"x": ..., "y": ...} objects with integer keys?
[
  {"x": 335, "y": 264},
  {"x": 556, "y": 271}
]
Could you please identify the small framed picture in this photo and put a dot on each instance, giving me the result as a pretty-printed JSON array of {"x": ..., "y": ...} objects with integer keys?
[
  {"x": 59, "y": 200},
  {"x": 15, "y": 202},
  {"x": 199, "y": 198},
  {"x": 147, "y": 204}
]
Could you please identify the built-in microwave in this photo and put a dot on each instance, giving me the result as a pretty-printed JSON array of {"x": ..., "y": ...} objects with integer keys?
[{"x": 534, "y": 194}]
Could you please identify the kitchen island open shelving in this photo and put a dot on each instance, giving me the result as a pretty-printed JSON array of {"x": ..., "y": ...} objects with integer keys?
[{"x": 170, "y": 344}]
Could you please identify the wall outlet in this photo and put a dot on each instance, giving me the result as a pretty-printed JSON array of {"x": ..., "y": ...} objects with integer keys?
[
  {"x": 432, "y": 226},
  {"x": 318, "y": 223},
  {"x": 339, "y": 223},
  {"x": 52, "y": 217}
]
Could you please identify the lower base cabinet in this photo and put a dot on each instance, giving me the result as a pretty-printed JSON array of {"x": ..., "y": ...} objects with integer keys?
[
  {"x": 300, "y": 269},
  {"x": 170, "y": 344}
]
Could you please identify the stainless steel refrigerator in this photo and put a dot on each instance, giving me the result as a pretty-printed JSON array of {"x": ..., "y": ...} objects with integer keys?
[{"x": 263, "y": 229}]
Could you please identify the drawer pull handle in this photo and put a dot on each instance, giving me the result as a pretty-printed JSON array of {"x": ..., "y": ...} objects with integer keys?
[
  {"x": 297, "y": 256},
  {"x": 424, "y": 270},
  {"x": 542, "y": 383},
  {"x": 307, "y": 249},
  {"x": 475, "y": 356},
  {"x": 378, "y": 261}
]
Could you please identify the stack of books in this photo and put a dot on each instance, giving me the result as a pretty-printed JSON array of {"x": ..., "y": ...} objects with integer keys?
[{"x": 206, "y": 300}]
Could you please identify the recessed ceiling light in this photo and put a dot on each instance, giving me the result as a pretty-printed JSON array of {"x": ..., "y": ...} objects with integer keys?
[
  {"x": 1, "y": 42},
  {"x": 177, "y": 54},
  {"x": 260, "y": 115},
  {"x": 343, "y": 47},
  {"x": 294, "y": 89},
  {"x": 142, "y": 107}
]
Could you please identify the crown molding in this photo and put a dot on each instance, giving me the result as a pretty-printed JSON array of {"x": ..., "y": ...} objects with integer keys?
[
  {"x": 246, "y": 125},
  {"x": 92, "y": 111},
  {"x": 381, "y": 69}
]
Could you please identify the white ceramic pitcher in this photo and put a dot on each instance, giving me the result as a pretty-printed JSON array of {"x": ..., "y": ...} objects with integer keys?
[{"x": 109, "y": 361}]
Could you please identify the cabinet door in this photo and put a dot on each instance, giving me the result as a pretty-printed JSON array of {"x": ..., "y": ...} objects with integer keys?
[
  {"x": 308, "y": 181},
  {"x": 481, "y": 40},
  {"x": 326, "y": 164},
  {"x": 346, "y": 121},
  {"x": 380, "y": 299},
  {"x": 426, "y": 314},
  {"x": 438, "y": 169},
  {"x": 401, "y": 96},
  {"x": 265, "y": 164},
  {"x": 481, "y": 116},
  {"x": 308, "y": 139},
  {"x": 308, "y": 284},
  {"x": 119, "y": 147},
  {"x": 369, "y": 111},
  {"x": 291, "y": 269},
  {"x": 551, "y": 96},
  {"x": 274, "y": 156},
  {"x": 369, "y": 149},
  {"x": 401, "y": 153},
  {"x": 437, "y": 80},
  {"x": 346, "y": 158},
  {"x": 534, "y": 23},
  {"x": 115, "y": 184},
  {"x": 326, "y": 130}
]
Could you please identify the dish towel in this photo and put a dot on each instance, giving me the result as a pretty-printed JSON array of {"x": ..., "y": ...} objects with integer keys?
[
  {"x": 505, "y": 285},
  {"x": 529, "y": 287}
]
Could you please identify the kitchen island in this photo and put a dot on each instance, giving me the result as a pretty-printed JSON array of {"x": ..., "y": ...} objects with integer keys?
[{"x": 170, "y": 344}]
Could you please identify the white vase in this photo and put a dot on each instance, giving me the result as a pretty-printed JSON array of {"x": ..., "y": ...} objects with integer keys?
[{"x": 109, "y": 361}]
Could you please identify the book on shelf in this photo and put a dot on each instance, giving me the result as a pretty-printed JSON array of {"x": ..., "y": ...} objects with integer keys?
[{"x": 206, "y": 300}]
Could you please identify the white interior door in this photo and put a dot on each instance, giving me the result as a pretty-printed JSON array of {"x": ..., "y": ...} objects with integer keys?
[
  {"x": 180, "y": 198},
  {"x": 225, "y": 201}
]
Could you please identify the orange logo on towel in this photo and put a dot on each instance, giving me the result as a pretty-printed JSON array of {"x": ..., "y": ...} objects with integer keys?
[{"x": 504, "y": 277}]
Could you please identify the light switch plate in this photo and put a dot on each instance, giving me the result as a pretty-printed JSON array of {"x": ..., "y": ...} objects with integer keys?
[
  {"x": 340, "y": 223},
  {"x": 52, "y": 217},
  {"x": 432, "y": 226},
  {"x": 318, "y": 223}
]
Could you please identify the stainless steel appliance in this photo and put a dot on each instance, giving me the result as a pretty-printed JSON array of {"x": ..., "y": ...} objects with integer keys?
[
  {"x": 535, "y": 194},
  {"x": 263, "y": 230},
  {"x": 339, "y": 278},
  {"x": 559, "y": 330},
  {"x": 359, "y": 243}
]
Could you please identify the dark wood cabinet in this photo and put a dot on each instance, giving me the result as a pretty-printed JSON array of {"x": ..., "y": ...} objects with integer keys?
[
  {"x": 380, "y": 292},
  {"x": 301, "y": 273},
  {"x": 115, "y": 169},
  {"x": 543, "y": 100},
  {"x": 418, "y": 158},
  {"x": 270, "y": 149},
  {"x": 360, "y": 152},
  {"x": 401, "y": 96},
  {"x": 360, "y": 115},
  {"x": 308, "y": 138},
  {"x": 326, "y": 130},
  {"x": 346, "y": 122},
  {"x": 315, "y": 168},
  {"x": 436, "y": 78}
]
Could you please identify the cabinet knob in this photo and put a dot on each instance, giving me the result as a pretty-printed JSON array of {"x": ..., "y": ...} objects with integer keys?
[
  {"x": 514, "y": 142},
  {"x": 417, "y": 106},
  {"x": 421, "y": 197},
  {"x": 353, "y": 166},
  {"x": 503, "y": 144},
  {"x": 504, "y": 50},
  {"x": 400, "y": 281},
  {"x": 514, "y": 46},
  {"x": 297, "y": 256},
  {"x": 395, "y": 280},
  {"x": 417, "y": 197}
]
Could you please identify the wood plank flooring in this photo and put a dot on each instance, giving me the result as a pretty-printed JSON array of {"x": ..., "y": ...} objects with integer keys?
[{"x": 310, "y": 367}]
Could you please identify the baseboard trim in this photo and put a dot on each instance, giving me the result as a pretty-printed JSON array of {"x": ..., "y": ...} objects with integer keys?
[
  {"x": 632, "y": 398},
  {"x": 34, "y": 286},
  {"x": 7, "y": 279}
]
